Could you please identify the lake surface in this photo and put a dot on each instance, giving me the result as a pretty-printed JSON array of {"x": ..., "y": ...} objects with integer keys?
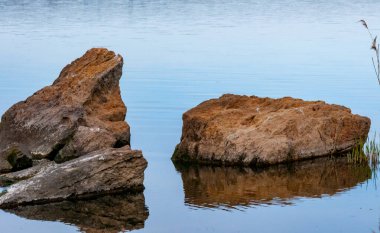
[{"x": 178, "y": 54}]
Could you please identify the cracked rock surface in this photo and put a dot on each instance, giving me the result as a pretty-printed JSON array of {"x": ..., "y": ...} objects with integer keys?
[
  {"x": 100, "y": 172},
  {"x": 82, "y": 111},
  {"x": 70, "y": 140},
  {"x": 249, "y": 130}
]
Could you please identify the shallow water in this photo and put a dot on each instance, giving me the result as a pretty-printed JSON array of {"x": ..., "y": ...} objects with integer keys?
[{"x": 179, "y": 53}]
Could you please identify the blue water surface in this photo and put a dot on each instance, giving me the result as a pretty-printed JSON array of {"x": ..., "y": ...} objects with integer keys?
[{"x": 180, "y": 53}]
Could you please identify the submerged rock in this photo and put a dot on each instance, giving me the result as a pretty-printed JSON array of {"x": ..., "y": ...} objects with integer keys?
[
  {"x": 248, "y": 130},
  {"x": 111, "y": 213},
  {"x": 82, "y": 111},
  {"x": 232, "y": 187},
  {"x": 100, "y": 172}
]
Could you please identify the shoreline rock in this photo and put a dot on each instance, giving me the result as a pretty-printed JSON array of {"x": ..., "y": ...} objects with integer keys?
[
  {"x": 70, "y": 140},
  {"x": 253, "y": 131},
  {"x": 100, "y": 172},
  {"x": 81, "y": 112}
]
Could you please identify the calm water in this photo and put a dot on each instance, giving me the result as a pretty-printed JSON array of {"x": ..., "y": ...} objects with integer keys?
[{"x": 179, "y": 53}]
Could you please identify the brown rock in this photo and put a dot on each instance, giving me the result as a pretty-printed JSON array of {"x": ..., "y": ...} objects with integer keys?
[
  {"x": 252, "y": 131},
  {"x": 13, "y": 159},
  {"x": 14, "y": 177},
  {"x": 231, "y": 187},
  {"x": 107, "y": 214},
  {"x": 100, "y": 172},
  {"x": 85, "y": 140},
  {"x": 84, "y": 98}
]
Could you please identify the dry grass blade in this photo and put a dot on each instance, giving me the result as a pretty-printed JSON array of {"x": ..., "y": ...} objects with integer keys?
[
  {"x": 375, "y": 46},
  {"x": 364, "y": 23}
]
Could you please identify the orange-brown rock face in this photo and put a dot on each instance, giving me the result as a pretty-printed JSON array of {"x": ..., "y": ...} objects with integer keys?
[
  {"x": 82, "y": 111},
  {"x": 251, "y": 130}
]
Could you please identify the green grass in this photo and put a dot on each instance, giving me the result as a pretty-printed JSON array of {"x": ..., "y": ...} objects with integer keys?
[{"x": 366, "y": 152}]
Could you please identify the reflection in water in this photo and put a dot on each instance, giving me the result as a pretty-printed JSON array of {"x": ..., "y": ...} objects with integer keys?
[
  {"x": 112, "y": 213},
  {"x": 231, "y": 187}
]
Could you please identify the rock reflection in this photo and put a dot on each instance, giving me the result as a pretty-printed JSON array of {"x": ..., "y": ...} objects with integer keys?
[
  {"x": 231, "y": 187},
  {"x": 111, "y": 214}
]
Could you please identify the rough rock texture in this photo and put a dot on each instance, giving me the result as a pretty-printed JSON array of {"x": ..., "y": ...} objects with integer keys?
[
  {"x": 14, "y": 177},
  {"x": 229, "y": 187},
  {"x": 251, "y": 130},
  {"x": 82, "y": 105},
  {"x": 100, "y": 172},
  {"x": 107, "y": 214},
  {"x": 12, "y": 158}
]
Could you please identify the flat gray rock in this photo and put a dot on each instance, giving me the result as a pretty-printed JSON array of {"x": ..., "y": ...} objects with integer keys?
[
  {"x": 13, "y": 177},
  {"x": 97, "y": 173}
]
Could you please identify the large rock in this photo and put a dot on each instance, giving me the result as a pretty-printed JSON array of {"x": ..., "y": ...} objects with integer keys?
[
  {"x": 100, "y": 172},
  {"x": 231, "y": 187},
  {"x": 82, "y": 111},
  {"x": 106, "y": 214},
  {"x": 248, "y": 130}
]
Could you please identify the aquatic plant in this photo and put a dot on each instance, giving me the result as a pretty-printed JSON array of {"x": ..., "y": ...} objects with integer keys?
[
  {"x": 357, "y": 155},
  {"x": 366, "y": 152},
  {"x": 374, "y": 46}
]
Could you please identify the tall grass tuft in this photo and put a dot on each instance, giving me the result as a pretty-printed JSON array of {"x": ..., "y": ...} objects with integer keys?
[
  {"x": 366, "y": 152},
  {"x": 375, "y": 47},
  {"x": 372, "y": 150},
  {"x": 358, "y": 155}
]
